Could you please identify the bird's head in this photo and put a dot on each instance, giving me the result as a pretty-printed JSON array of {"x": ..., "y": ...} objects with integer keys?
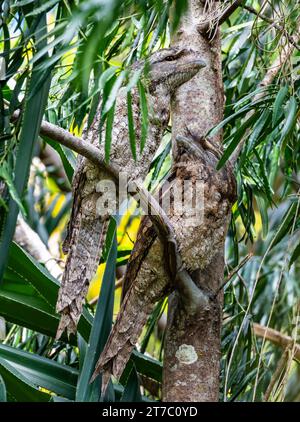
[{"x": 165, "y": 71}]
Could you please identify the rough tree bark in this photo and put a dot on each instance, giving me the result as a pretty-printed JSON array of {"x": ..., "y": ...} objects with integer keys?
[{"x": 192, "y": 345}]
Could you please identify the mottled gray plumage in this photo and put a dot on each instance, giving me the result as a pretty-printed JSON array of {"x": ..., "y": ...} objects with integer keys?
[
  {"x": 147, "y": 279},
  {"x": 169, "y": 68}
]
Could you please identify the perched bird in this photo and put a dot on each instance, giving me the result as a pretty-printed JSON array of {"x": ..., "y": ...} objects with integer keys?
[
  {"x": 147, "y": 279},
  {"x": 168, "y": 69}
]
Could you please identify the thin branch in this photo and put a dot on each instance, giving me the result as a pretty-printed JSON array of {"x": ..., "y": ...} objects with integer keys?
[
  {"x": 209, "y": 27},
  {"x": 266, "y": 81},
  {"x": 239, "y": 3},
  {"x": 278, "y": 371},
  {"x": 230, "y": 10},
  {"x": 274, "y": 24},
  {"x": 278, "y": 63},
  {"x": 65, "y": 138},
  {"x": 234, "y": 271},
  {"x": 276, "y": 337}
]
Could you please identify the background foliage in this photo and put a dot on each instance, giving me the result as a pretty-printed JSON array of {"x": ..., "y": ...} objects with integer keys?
[{"x": 58, "y": 58}]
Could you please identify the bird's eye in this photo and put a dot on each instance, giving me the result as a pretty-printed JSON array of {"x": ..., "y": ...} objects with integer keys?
[{"x": 169, "y": 59}]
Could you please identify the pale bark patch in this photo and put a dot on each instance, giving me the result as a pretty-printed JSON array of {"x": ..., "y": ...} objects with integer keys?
[{"x": 186, "y": 354}]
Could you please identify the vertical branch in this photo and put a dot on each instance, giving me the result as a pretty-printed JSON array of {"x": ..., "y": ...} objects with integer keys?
[{"x": 192, "y": 346}]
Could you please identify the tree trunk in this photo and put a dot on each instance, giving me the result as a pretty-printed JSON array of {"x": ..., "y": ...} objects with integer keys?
[{"x": 192, "y": 345}]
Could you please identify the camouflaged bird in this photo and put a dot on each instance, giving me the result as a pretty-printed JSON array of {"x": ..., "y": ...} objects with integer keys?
[
  {"x": 147, "y": 277},
  {"x": 87, "y": 229}
]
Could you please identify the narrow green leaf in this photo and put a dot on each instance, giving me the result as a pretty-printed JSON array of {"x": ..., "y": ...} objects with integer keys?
[
  {"x": 18, "y": 386},
  {"x": 24, "y": 2},
  {"x": 285, "y": 226},
  {"x": 20, "y": 262},
  {"x": 109, "y": 238},
  {"x": 263, "y": 209},
  {"x": 20, "y": 303},
  {"x": 246, "y": 98},
  {"x": 295, "y": 255},
  {"x": 67, "y": 156},
  {"x": 28, "y": 296},
  {"x": 24, "y": 308},
  {"x": 46, "y": 373},
  {"x": 154, "y": 317},
  {"x": 2, "y": 391},
  {"x": 275, "y": 160},
  {"x": 82, "y": 345},
  {"x": 131, "y": 130},
  {"x": 31, "y": 122},
  {"x": 228, "y": 152},
  {"x": 161, "y": 171},
  {"x": 14, "y": 100},
  {"x": 5, "y": 174},
  {"x": 106, "y": 76},
  {"x": 29, "y": 293},
  {"x": 44, "y": 7},
  {"x": 180, "y": 6},
  {"x": 93, "y": 46},
  {"x": 109, "y": 103},
  {"x": 236, "y": 139},
  {"x": 147, "y": 366},
  {"x": 291, "y": 111},
  {"x": 266, "y": 184},
  {"x": 134, "y": 79},
  {"x": 132, "y": 391},
  {"x": 261, "y": 123},
  {"x": 277, "y": 109},
  {"x": 144, "y": 116},
  {"x": 108, "y": 131},
  {"x": 244, "y": 110}
]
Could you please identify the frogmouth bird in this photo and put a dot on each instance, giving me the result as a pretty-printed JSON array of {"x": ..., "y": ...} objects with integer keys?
[
  {"x": 168, "y": 69},
  {"x": 147, "y": 277}
]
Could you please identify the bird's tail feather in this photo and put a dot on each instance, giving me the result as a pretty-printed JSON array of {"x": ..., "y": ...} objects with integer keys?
[
  {"x": 122, "y": 339},
  {"x": 82, "y": 262}
]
